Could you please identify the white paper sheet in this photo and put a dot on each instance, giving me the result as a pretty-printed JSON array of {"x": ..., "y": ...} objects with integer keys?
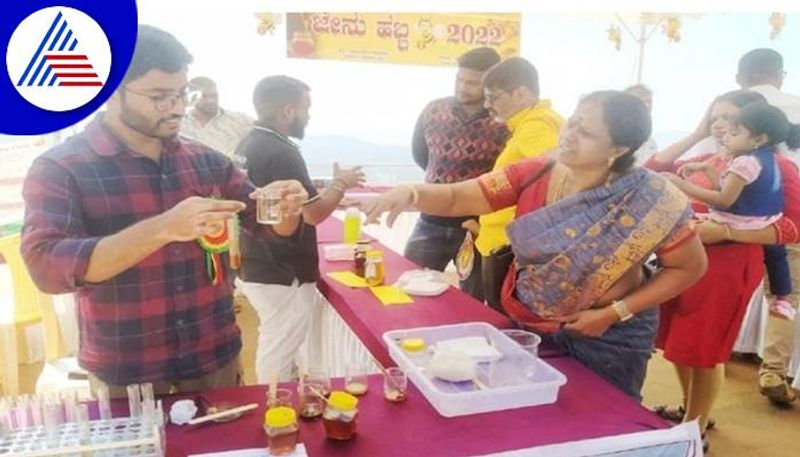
[
  {"x": 679, "y": 441},
  {"x": 300, "y": 451}
]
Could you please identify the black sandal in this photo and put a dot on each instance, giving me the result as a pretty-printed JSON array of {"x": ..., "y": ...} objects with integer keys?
[
  {"x": 670, "y": 413},
  {"x": 675, "y": 414}
]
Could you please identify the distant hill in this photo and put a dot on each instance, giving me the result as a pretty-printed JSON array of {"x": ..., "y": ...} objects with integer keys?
[{"x": 384, "y": 163}]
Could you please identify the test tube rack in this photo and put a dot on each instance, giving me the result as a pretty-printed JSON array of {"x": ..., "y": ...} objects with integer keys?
[
  {"x": 121, "y": 436},
  {"x": 57, "y": 425}
]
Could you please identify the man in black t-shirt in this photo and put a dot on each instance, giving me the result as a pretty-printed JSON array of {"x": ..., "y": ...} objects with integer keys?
[{"x": 279, "y": 277}]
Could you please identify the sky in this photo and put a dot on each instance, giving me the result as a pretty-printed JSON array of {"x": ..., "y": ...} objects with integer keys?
[{"x": 379, "y": 102}]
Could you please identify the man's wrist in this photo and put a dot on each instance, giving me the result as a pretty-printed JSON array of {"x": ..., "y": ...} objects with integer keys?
[
  {"x": 162, "y": 228},
  {"x": 338, "y": 185}
]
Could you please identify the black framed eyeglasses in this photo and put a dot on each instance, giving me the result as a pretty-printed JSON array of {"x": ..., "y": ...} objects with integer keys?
[
  {"x": 494, "y": 96},
  {"x": 165, "y": 101}
]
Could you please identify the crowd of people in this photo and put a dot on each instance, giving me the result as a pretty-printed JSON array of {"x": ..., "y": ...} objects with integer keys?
[{"x": 585, "y": 231}]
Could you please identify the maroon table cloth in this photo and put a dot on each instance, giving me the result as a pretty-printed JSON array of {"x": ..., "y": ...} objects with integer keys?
[
  {"x": 587, "y": 406},
  {"x": 370, "y": 319}
]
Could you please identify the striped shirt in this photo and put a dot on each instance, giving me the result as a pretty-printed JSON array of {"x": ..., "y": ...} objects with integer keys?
[{"x": 162, "y": 319}]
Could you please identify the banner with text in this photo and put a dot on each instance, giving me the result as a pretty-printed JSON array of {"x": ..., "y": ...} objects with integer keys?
[{"x": 399, "y": 38}]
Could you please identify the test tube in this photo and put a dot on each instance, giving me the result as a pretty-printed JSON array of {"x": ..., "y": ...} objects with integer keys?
[
  {"x": 21, "y": 413},
  {"x": 36, "y": 412},
  {"x": 134, "y": 400},
  {"x": 148, "y": 404},
  {"x": 55, "y": 399},
  {"x": 147, "y": 393},
  {"x": 51, "y": 422},
  {"x": 160, "y": 415},
  {"x": 70, "y": 406},
  {"x": 161, "y": 427},
  {"x": 103, "y": 402},
  {"x": 6, "y": 419},
  {"x": 83, "y": 423},
  {"x": 234, "y": 253}
]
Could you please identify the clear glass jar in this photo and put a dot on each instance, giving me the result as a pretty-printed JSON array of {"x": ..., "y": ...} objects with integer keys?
[
  {"x": 373, "y": 270},
  {"x": 395, "y": 385},
  {"x": 312, "y": 401},
  {"x": 340, "y": 415},
  {"x": 360, "y": 257},
  {"x": 280, "y": 424}
]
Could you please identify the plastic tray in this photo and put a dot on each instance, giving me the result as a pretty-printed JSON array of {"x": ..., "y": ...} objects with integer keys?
[{"x": 518, "y": 380}]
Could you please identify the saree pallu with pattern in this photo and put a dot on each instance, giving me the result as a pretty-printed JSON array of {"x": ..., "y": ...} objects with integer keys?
[{"x": 569, "y": 254}]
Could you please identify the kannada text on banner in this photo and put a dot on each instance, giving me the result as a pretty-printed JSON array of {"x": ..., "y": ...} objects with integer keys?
[{"x": 415, "y": 39}]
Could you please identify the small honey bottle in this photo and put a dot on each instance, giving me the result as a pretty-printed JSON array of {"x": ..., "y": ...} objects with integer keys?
[
  {"x": 282, "y": 431},
  {"x": 339, "y": 418},
  {"x": 360, "y": 257},
  {"x": 373, "y": 269}
]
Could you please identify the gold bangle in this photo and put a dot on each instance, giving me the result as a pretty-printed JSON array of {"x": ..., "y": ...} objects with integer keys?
[
  {"x": 414, "y": 193},
  {"x": 622, "y": 311}
]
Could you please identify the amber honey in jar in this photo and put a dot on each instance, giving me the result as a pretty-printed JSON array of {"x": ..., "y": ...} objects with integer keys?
[
  {"x": 280, "y": 423},
  {"x": 360, "y": 257},
  {"x": 340, "y": 414},
  {"x": 374, "y": 269}
]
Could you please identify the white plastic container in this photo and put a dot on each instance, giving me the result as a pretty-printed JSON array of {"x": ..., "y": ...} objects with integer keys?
[
  {"x": 338, "y": 252},
  {"x": 518, "y": 380}
]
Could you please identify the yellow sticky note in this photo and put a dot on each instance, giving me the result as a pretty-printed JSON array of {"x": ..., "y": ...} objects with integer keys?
[
  {"x": 390, "y": 295},
  {"x": 348, "y": 278}
]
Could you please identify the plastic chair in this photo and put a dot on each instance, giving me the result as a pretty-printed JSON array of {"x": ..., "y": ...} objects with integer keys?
[
  {"x": 59, "y": 373},
  {"x": 31, "y": 306},
  {"x": 25, "y": 300},
  {"x": 26, "y": 297},
  {"x": 9, "y": 369}
]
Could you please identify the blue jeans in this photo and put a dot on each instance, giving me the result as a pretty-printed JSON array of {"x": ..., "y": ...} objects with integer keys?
[
  {"x": 619, "y": 356},
  {"x": 433, "y": 246},
  {"x": 780, "y": 279}
]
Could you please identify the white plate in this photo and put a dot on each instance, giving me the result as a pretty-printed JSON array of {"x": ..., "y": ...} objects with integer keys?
[{"x": 424, "y": 283}]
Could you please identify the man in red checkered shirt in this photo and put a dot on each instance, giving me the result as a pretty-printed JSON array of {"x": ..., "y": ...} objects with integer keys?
[{"x": 114, "y": 213}]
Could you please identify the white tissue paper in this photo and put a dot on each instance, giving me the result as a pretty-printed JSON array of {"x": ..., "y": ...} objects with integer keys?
[
  {"x": 452, "y": 366},
  {"x": 476, "y": 347},
  {"x": 182, "y": 411}
]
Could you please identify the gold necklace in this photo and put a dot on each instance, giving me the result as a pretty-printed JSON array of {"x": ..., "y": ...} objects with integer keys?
[{"x": 558, "y": 192}]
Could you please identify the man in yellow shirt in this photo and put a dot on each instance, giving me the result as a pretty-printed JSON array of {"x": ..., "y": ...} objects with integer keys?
[{"x": 511, "y": 94}]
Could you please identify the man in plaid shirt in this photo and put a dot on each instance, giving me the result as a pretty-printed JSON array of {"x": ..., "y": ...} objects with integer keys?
[{"x": 113, "y": 214}]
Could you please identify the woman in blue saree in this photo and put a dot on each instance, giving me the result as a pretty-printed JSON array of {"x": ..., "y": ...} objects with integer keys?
[{"x": 586, "y": 223}]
